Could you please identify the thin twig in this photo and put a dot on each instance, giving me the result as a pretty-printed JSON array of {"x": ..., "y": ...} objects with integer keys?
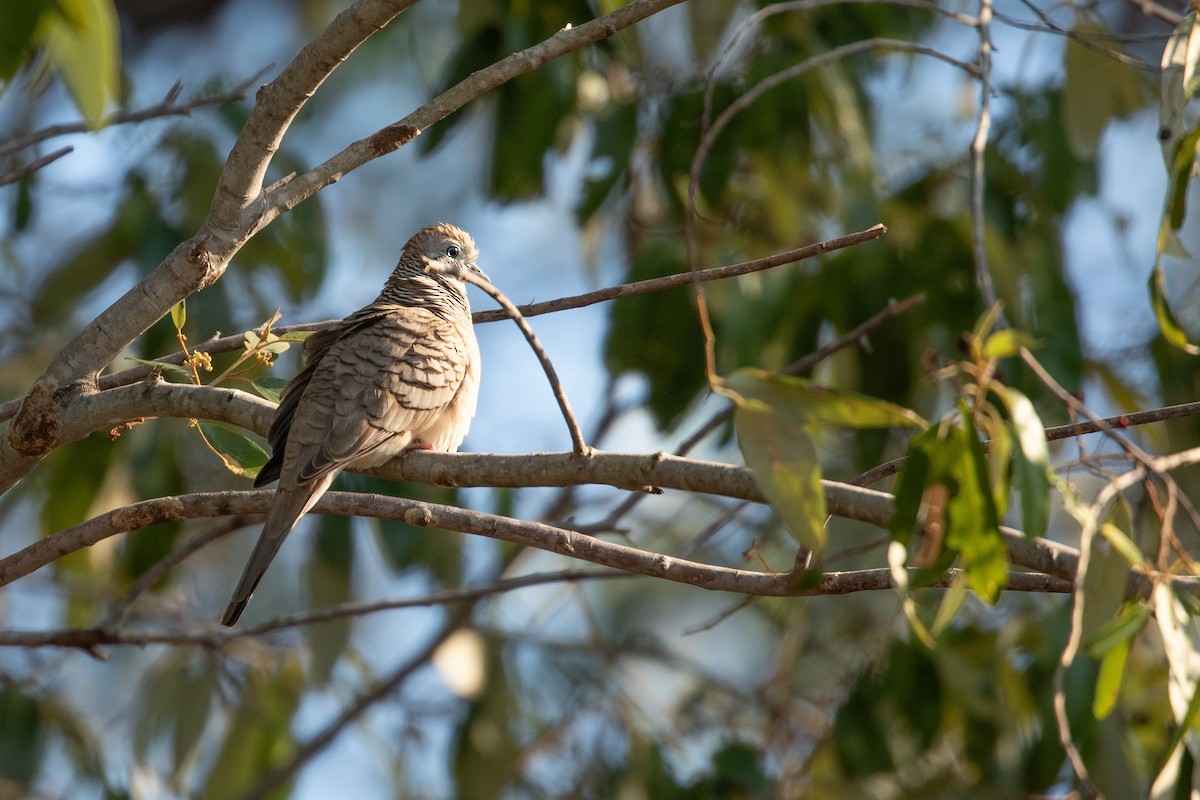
[
  {"x": 115, "y": 617},
  {"x": 167, "y": 107},
  {"x": 272, "y": 781},
  {"x": 1048, "y": 25},
  {"x": 577, "y": 442},
  {"x": 1058, "y": 432},
  {"x": 983, "y": 125},
  {"x": 1157, "y": 11},
  {"x": 33, "y": 166},
  {"x": 226, "y": 344}
]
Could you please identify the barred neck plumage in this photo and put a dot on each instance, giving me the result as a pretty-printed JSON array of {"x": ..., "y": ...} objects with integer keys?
[
  {"x": 429, "y": 273},
  {"x": 441, "y": 294}
]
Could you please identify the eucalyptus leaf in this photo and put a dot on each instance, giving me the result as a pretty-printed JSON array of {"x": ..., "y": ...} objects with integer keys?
[
  {"x": 806, "y": 402},
  {"x": 241, "y": 455},
  {"x": 785, "y": 466}
]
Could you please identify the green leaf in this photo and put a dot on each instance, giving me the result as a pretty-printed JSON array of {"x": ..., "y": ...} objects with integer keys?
[
  {"x": 972, "y": 524},
  {"x": 269, "y": 388},
  {"x": 1120, "y": 628},
  {"x": 785, "y": 466},
  {"x": 242, "y": 456},
  {"x": 174, "y": 369},
  {"x": 84, "y": 47},
  {"x": 911, "y": 483},
  {"x": 1172, "y": 331},
  {"x": 951, "y": 457},
  {"x": 806, "y": 402},
  {"x": 179, "y": 314},
  {"x": 295, "y": 336},
  {"x": 17, "y": 33},
  {"x": 1097, "y": 89},
  {"x": 1180, "y": 171},
  {"x": 1006, "y": 343},
  {"x": 1108, "y": 682},
  {"x": 1031, "y": 464}
]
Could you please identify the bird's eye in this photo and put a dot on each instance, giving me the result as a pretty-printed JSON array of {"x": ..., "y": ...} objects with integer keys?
[{"x": 453, "y": 251}]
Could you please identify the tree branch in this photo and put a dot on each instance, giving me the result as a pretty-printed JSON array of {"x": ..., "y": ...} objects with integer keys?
[
  {"x": 560, "y": 396},
  {"x": 240, "y": 208},
  {"x": 388, "y": 139},
  {"x": 20, "y": 173},
  {"x": 227, "y": 344},
  {"x": 553, "y": 539},
  {"x": 167, "y": 107}
]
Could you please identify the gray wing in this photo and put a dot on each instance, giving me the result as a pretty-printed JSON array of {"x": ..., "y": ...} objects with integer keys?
[
  {"x": 373, "y": 385},
  {"x": 315, "y": 348}
]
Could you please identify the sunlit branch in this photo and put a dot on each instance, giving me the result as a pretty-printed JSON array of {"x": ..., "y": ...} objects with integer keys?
[
  {"x": 560, "y": 396},
  {"x": 386, "y": 140},
  {"x": 1043, "y": 556},
  {"x": 23, "y": 172},
  {"x": 227, "y": 344},
  {"x": 167, "y": 107},
  {"x": 983, "y": 126}
]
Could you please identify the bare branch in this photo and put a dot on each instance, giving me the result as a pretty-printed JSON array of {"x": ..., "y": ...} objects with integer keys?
[
  {"x": 528, "y": 534},
  {"x": 384, "y": 141},
  {"x": 167, "y": 107},
  {"x": 240, "y": 208},
  {"x": 983, "y": 126},
  {"x": 226, "y": 344},
  {"x": 560, "y": 396},
  {"x": 20, "y": 173},
  {"x": 1157, "y": 11}
]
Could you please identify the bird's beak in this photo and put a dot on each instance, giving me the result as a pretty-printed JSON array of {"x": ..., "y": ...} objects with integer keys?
[{"x": 475, "y": 268}]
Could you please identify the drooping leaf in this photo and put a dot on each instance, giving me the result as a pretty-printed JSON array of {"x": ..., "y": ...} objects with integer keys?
[
  {"x": 1181, "y": 168},
  {"x": 949, "y": 458},
  {"x": 785, "y": 466},
  {"x": 241, "y": 455},
  {"x": 806, "y": 402},
  {"x": 269, "y": 387},
  {"x": 83, "y": 43},
  {"x": 1168, "y": 323},
  {"x": 1031, "y": 460},
  {"x": 1119, "y": 628}
]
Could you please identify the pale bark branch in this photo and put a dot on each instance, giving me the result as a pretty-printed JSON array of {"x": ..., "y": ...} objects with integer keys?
[
  {"x": 227, "y": 344},
  {"x": 562, "y": 541},
  {"x": 569, "y": 39},
  {"x": 240, "y": 207},
  {"x": 169, "y": 106}
]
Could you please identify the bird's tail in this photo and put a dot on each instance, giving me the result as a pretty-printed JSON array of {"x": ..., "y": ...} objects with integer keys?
[{"x": 290, "y": 504}]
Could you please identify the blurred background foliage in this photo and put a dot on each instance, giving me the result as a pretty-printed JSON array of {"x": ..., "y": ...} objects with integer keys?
[{"x": 616, "y": 688}]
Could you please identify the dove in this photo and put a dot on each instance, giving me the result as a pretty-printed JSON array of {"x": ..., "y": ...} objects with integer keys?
[{"x": 398, "y": 375}]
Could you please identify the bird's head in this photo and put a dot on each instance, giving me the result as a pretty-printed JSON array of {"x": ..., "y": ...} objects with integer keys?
[{"x": 436, "y": 259}]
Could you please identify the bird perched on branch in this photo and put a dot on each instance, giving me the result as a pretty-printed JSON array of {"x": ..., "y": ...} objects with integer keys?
[{"x": 400, "y": 374}]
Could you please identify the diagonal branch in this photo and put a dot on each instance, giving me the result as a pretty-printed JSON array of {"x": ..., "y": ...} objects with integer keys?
[
  {"x": 240, "y": 208},
  {"x": 226, "y": 344},
  {"x": 1059, "y": 560},
  {"x": 569, "y": 39},
  {"x": 564, "y": 405},
  {"x": 167, "y": 107}
]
